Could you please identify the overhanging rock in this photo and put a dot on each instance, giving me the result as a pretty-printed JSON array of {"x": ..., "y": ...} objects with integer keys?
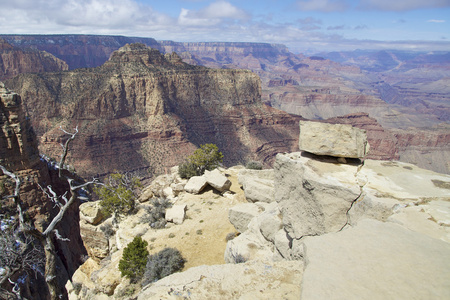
[{"x": 338, "y": 140}]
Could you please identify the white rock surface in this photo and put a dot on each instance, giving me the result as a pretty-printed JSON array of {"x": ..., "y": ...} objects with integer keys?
[
  {"x": 176, "y": 214},
  {"x": 258, "y": 185},
  {"x": 217, "y": 180},
  {"x": 269, "y": 222},
  {"x": 195, "y": 184},
  {"x": 338, "y": 140},
  {"x": 247, "y": 281},
  {"x": 241, "y": 215},
  {"x": 314, "y": 195},
  {"x": 376, "y": 260}
]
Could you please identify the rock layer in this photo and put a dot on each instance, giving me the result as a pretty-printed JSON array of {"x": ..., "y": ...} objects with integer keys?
[
  {"x": 19, "y": 154},
  {"x": 142, "y": 109},
  {"x": 14, "y": 61}
]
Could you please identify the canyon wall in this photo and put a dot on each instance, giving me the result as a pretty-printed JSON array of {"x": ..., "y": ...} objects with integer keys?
[
  {"x": 19, "y": 154},
  {"x": 145, "y": 110},
  {"x": 14, "y": 61},
  {"x": 399, "y": 89}
]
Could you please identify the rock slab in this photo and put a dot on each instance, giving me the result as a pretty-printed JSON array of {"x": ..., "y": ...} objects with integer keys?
[
  {"x": 251, "y": 280},
  {"x": 376, "y": 260},
  {"x": 176, "y": 214},
  {"x": 338, "y": 140},
  {"x": 195, "y": 184},
  {"x": 217, "y": 180},
  {"x": 314, "y": 195}
]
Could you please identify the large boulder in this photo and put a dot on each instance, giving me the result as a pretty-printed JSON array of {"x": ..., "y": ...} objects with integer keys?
[
  {"x": 217, "y": 180},
  {"x": 176, "y": 214},
  {"x": 95, "y": 241},
  {"x": 241, "y": 215},
  {"x": 91, "y": 212},
  {"x": 314, "y": 195},
  {"x": 376, "y": 260},
  {"x": 195, "y": 184},
  {"x": 338, "y": 140},
  {"x": 258, "y": 185}
]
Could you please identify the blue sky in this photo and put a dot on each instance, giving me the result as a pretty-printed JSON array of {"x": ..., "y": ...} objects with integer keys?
[{"x": 302, "y": 25}]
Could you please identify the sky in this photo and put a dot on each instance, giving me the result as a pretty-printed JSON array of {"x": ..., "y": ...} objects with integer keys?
[{"x": 305, "y": 26}]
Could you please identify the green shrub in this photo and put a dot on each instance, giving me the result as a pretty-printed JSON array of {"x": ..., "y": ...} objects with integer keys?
[
  {"x": 118, "y": 195},
  {"x": 254, "y": 165},
  {"x": 108, "y": 229},
  {"x": 162, "y": 264},
  {"x": 188, "y": 170},
  {"x": 134, "y": 259},
  {"x": 207, "y": 157}
]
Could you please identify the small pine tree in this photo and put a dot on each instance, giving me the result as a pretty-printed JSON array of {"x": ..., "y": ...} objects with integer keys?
[
  {"x": 207, "y": 157},
  {"x": 119, "y": 194},
  {"x": 134, "y": 259}
]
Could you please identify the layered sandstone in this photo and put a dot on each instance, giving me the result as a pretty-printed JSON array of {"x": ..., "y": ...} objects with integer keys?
[
  {"x": 142, "y": 109},
  {"x": 78, "y": 51},
  {"x": 14, "y": 61}
]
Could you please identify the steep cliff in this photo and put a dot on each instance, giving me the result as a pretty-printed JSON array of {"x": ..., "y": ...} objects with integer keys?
[
  {"x": 78, "y": 51},
  {"x": 19, "y": 154},
  {"x": 145, "y": 110},
  {"x": 14, "y": 61}
]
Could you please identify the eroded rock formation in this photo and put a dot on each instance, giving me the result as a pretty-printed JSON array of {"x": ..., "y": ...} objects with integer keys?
[
  {"x": 19, "y": 154},
  {"x": 14, "y": 61},
  {"x": 142, "y": 109}
]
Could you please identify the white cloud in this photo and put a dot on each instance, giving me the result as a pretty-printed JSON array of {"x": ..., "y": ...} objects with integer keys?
[
  {"x": 402, "y": 5},
  {"x": 213, "y": 14},
  {"x": 322, "y": 5},
  {"x": 216, "y": 21},
  {"x": 436, "y": 21}
]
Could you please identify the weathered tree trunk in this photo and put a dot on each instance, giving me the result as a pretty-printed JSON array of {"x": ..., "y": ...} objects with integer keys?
[{"x": 51, "y": 273}]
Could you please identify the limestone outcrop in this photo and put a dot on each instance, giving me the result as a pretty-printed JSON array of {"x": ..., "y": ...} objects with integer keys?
[
  {"x": 338, "y": 140},
  {"x": 376, "y": 260},
  {"x": 250, "y": 280},
  {"x": 348, "y": 222}
]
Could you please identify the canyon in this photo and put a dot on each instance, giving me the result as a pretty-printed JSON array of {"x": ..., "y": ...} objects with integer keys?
[
  {"x": 143, "y": 109},
  {"x": 403, "y": 92}
]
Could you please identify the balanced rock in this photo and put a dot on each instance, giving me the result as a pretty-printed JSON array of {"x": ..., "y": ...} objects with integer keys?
[
  {"x": 338, "y": 140},
  {"x": 217, "y": 180}
]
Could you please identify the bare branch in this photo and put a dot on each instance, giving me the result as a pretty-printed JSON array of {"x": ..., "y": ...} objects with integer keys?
[
  {"x": 59, "y": 237},
  {"x": 16, "y": 195},
  {"x": 66, "y": 149}
]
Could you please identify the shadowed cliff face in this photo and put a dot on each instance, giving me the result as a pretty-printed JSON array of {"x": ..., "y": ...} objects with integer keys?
[
  {"x": 19, "y": 154},
  {"x": 142, "y": 109}
]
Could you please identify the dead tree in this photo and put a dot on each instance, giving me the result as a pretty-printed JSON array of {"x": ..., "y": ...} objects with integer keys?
[{"x": 45, "y": 237}]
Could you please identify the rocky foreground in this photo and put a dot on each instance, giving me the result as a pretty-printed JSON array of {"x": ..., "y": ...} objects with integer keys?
[{"x": 313, "y": 227}]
